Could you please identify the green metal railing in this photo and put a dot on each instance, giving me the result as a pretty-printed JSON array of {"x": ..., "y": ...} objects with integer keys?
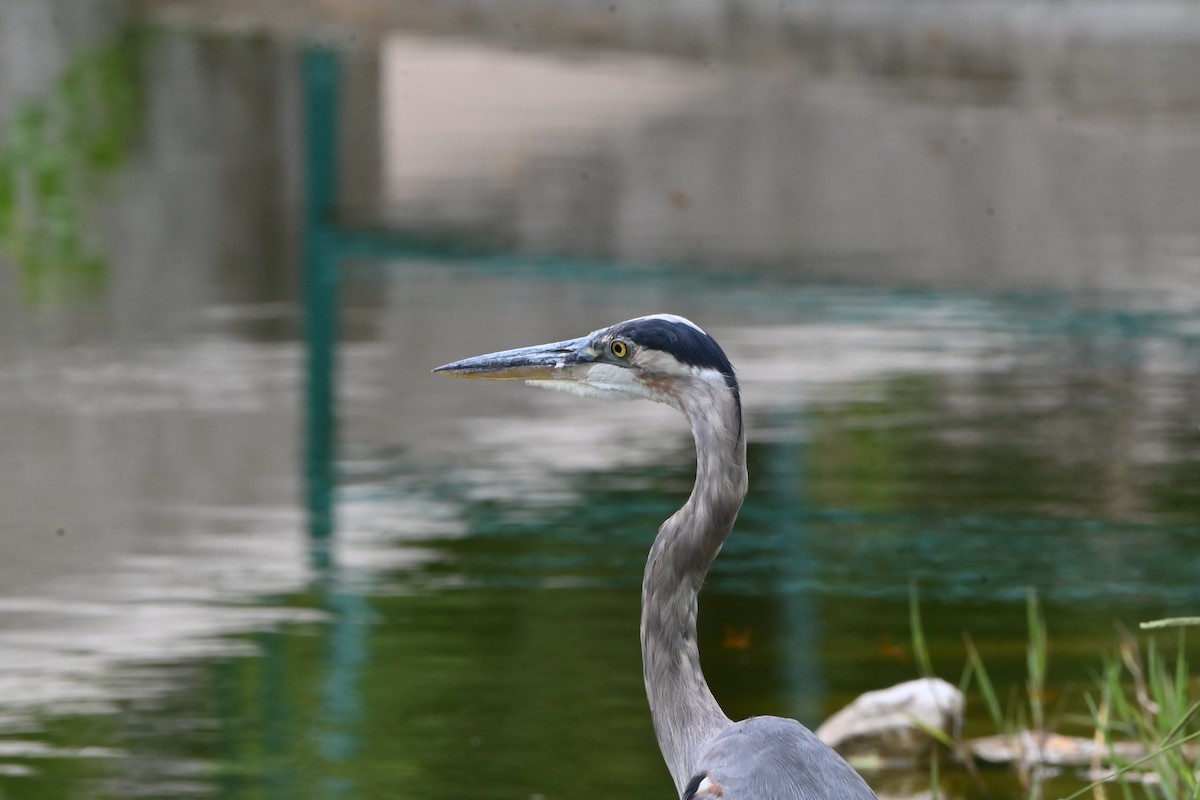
[
  {"x": 322, "y": 289},
  {"x": 328, "y": 245}
]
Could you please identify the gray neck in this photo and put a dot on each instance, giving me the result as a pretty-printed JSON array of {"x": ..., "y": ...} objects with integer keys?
[{"x": 684, "y": 711}]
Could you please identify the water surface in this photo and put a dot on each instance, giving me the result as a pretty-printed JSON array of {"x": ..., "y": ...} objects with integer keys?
[
  {"x": 166, "y": 629},
  {"x": 477, "y": 635}
]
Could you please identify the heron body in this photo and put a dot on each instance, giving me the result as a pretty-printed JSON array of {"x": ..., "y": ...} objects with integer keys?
[{"x": 668, "y": 359}]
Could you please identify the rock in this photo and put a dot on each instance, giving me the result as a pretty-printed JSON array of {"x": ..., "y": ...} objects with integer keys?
[
  {"x": 888, "y": 724},
  {"x": 1031, "y": 748}
]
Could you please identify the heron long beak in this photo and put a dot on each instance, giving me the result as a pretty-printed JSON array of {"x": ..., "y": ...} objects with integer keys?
[{"x": 556, "y": 361}]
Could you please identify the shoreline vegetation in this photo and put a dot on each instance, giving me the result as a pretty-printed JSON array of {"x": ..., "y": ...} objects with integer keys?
[{"x": 1133, "y": 729}]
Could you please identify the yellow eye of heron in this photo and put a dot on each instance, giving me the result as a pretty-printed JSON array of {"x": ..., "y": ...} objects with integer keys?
[{"x": 619, "y": 349}]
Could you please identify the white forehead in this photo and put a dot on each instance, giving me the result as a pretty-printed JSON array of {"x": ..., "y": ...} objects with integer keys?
[{"x": 667, "y": 318}]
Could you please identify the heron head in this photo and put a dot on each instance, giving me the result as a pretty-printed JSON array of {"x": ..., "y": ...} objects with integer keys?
[{"x": 663, "y": 358}]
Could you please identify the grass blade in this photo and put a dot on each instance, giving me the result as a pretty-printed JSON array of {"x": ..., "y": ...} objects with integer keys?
[
  {"x": 1122, "y": 770},
  {"x": 985, "y": 683},
  {"x": 919, "y": 645}
]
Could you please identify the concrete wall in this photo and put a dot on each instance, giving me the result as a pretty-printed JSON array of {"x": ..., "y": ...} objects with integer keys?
[
  {"x": 38, "y": 37},
  {"x": 1123, "y": 52},
  {"x": 203, "y": 206},
  {"x": 972, "y": 183},
  {"x": 934, "y": 141},
  {"x": 931, "y": 140}
]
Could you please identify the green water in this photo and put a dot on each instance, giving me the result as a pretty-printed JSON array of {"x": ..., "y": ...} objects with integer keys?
[
  {"x": 477, "y": 634},
  {"x": 165, "y": 631}
]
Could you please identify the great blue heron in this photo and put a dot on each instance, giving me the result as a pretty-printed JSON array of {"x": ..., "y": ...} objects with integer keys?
[{"x": 670, "y": 360}]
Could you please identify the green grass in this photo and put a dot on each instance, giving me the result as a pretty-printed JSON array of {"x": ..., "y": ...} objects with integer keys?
[{"x": 1139, "y": 695}]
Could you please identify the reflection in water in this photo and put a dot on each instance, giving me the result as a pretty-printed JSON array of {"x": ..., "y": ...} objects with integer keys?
[
  {"x": 478, "y": 636},
  {"x": 165, "y": 632},
  {"x": 943, "y": 183},
  {"x": 57, "y": 149}
]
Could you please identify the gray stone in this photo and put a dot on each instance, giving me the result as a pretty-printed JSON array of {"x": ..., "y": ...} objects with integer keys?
[{"x": 890, "y": 723}]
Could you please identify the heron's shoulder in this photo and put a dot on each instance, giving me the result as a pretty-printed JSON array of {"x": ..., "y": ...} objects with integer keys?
[{"x": 772, "y": 758}]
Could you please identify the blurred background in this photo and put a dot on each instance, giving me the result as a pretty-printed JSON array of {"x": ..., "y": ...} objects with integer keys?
[{"x": 250, "y": 547}]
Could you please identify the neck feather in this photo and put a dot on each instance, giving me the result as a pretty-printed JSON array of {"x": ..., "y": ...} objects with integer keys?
[{"x": 684, "y": 711}]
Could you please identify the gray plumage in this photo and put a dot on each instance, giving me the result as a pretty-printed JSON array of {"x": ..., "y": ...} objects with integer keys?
[
  {"x": 670, "y": 360},
  {"x": 772, "y": 758}
]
